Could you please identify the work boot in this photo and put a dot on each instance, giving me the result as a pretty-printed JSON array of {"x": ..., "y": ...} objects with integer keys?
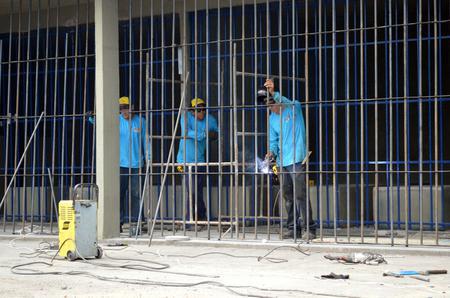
[
  {"x": 289, "y": 234},
  {"x": 308, "y": 235}
]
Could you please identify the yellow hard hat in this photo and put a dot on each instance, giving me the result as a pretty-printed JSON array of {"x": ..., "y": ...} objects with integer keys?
[
  {"x": 197, "y": 101},
  {"x": 124, "y": 100}
]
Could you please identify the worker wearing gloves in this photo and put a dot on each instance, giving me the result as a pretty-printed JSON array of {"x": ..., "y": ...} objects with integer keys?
[
  {"x": 194, "y": 142},
  {"x": 134, "y": 148},
  {"x": 289, "y": 135}
]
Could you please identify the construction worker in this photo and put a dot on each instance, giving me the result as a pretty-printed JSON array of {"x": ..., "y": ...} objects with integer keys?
[
  {"x": 134, "y": 148},
  {"x": 288, "y": 134},
  {"x": 194, "y": 141}
]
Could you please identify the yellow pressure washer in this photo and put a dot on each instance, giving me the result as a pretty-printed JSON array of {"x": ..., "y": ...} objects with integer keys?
[{"x": 77, "y": 224}]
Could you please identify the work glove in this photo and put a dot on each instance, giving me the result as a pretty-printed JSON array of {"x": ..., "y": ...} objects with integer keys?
[
  {"x": 270, "y": 157},
  {"x": 180, "y": 169}
]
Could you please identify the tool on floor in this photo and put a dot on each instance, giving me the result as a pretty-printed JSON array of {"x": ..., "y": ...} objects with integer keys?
[
  {"x": 420, "y": 278},
  {"x": 367, "y": 258},
  {"x": 426, "y": 272},
  {"x": 413, "y": 272},
  {"x": 335, "y": 276},
  {"x": 78, "y": 224}
]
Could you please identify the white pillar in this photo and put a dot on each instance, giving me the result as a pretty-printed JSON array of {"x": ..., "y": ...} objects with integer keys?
[{"x": 107, "y": 121}]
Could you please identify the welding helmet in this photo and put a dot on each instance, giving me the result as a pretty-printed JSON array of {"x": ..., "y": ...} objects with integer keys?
[{"x": 264, "y": 96}]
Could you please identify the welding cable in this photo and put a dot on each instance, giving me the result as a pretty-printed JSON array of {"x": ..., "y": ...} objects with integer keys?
[
  {"x": 297, "y": 248},
  {"x": 141, "y": 267},
  {"x": 258, "y": 258},
  {"x": 20, "y": 270}
]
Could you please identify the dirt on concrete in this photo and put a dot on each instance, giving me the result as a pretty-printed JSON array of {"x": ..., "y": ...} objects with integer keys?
[{"x": 169, "y": 270}]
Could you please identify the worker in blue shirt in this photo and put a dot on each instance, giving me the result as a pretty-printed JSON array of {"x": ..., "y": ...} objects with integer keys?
[
  {"x": 288, "y": 146},
  {"x": 194, "y": 137},
  {"x": 134, "y": 149}
]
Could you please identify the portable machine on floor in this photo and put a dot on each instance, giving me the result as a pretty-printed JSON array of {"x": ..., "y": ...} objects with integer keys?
[{"x": 77, "y": 224}]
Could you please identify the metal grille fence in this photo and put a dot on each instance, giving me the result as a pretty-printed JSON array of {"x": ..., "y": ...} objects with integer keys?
[{"x": 371, "y": 77}]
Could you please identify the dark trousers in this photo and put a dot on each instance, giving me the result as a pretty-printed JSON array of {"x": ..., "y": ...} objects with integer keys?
[
  {"x": 197, "y": 186},
  {"x": 300, "y": 197},
  {"x": 129, "y": 188}
]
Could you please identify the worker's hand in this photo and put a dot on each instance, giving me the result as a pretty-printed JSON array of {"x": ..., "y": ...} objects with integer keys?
[
  {"x": 270, "y": 156},
  {"x": 270, "y": 86},
  {"x": 89, "y": 113},
  {"x": 212, "y": 135},
  {"x": 180, "y": 169}
]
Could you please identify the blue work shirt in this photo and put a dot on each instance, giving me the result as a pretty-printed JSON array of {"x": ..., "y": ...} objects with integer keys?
[
  {"x": 138, "y": 141},
  {"x": 191, "y": 137},
  {"x": 140, "y": 147},
  {"x": 285, "y": 129}
]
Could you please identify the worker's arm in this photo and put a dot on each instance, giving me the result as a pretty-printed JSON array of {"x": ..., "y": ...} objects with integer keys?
[
  {"x": 273, "y": 141},
  {"x": 281, "y": 99},
  {"x": 212, "y": 127},
  {"x": 269, "y": 84},
  {"x": 191, "y": 131},
  {"x": 90, "y": 117}
]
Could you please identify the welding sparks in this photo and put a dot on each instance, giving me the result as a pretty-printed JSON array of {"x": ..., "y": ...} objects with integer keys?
[{"x": 262, "y": 166}]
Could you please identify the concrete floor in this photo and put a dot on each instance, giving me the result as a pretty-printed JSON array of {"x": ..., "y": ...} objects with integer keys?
[{"x": 298, "y": 277}]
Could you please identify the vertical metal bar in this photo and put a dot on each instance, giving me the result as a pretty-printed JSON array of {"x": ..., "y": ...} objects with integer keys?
[
  {"x": 55, "y": 97},
  {"x": 53, "y": 199},
  {"x": 420, "y": 124},
  {"x": 19, "y": 50},
  {"x": 63, "y": 142},
  {"x": 243, "y": 116},
  {"x": 306, "y": 103},
  {"x": 255, "y": 86},
  {"x": 436, "y": 129},
  {"x": 347, "y": 114},
  {"x": 390, "y": 125},
  {"x": 219, "y": 120},
  {"x": 142, "y": 151},
  {"x": 74, "y": 97},
  {"x": 232, "y": 132},
  {"x": 131, "y": 99},
  {"x": 208, "y": 207},
  {"x": 36, "y": 96},
  {"x": 163, "y": 100},
  {"x": 320, "y": 124},
  {"x": 236, "y": 152},
  {"x": 375, "y": 212},
  {"x": 185, "y": 51},
  {"x": 8, "y": 114},
  {"x": 405, "y": 115},
  {"x": 220, "y": 102},
  {"x": 44, "y": 135},
  {"x": 267, "y": 119},
  {"x": 83, "y": 125},
  {"x": 280, "y": 73},
  {"x": 361, "y": 86},
  {"x": 27, "y": 86},
  {"x": 334, "y": 120},
  {"x": 150, "y": 107},
  {"x": 173, "y": 119},
  {"x": 148, "y": 184},
  {"x": 195, "y": 191}
]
